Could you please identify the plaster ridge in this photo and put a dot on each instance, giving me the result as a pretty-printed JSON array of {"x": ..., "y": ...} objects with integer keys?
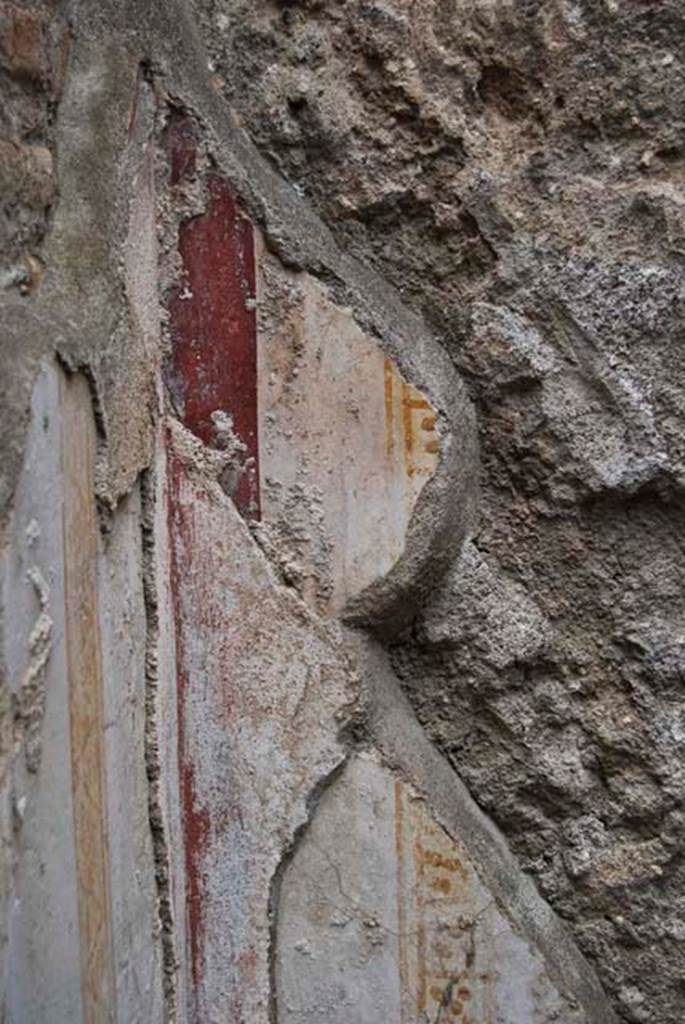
[{"x": 153, "y": 765}]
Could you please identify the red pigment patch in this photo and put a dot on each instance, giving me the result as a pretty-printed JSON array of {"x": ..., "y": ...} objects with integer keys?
[
  {"x": 196, "y": 828},
  {"x": 195, "y": 817},
  {"x": 213, "y": 366}
]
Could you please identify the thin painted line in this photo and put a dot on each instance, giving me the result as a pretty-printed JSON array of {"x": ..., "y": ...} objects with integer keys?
[
  {"x": 388, "y": 374},
  {"x": 86, "y": 699}
]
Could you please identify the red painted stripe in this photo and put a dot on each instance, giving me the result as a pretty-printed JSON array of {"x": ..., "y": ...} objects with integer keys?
[{"x": 214, "y": 326}]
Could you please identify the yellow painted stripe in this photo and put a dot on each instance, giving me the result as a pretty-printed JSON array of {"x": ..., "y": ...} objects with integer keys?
[
  {"x": 388, "y": 374},
  {"x": 86, "y": 712}
]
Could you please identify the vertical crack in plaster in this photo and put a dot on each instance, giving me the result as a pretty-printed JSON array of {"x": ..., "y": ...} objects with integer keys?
[
  {"x": 313, "y": 801},
  {"x": 153, "y": 765}
]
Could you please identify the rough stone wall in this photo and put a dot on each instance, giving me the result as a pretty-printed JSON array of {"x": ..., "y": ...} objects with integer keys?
[
  {"x": 463, "y": 192},
  {"x": 33, "y": 53},
  {"x": 516, "y": 170}
]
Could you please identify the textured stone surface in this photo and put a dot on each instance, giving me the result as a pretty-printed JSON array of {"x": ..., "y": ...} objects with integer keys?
[
  {"x": 33, "y": 55},
  {"x": 491, "y": 189},
  {"x": 516, "y": 171}
]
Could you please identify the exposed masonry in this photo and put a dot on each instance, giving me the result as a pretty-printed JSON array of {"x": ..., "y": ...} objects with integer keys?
[
  {"x": 254, "y": 706},
  {"x": 516, "y": 169}
]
